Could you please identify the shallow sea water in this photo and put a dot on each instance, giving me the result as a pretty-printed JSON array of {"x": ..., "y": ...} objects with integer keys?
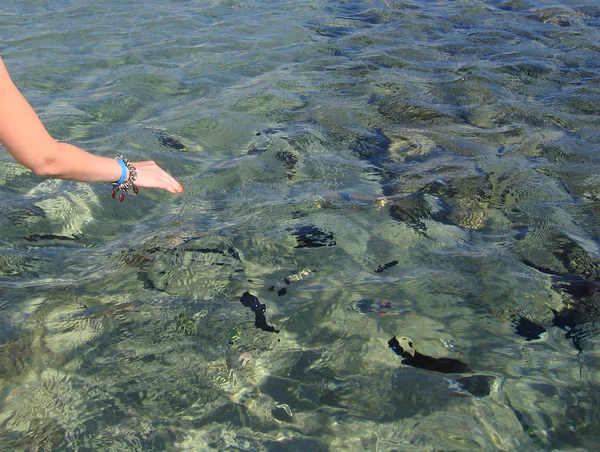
[{"x": 366, "y": 169}]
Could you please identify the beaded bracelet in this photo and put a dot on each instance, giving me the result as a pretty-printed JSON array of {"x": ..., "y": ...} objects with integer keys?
[{"x": 122, "y": 184}]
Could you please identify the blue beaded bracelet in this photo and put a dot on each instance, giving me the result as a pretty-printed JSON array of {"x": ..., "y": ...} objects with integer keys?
[{"x": 123, "y": 172}]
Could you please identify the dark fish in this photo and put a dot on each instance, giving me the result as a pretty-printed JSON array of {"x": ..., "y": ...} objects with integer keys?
[
  {"x": 37, "y": 237},
  {"x": 312, "y": 237},
  {"x": 415, "y": 359},
  {"x": 260, "y": 321},
  {"x": 384, "y": 267},
  {"x": 170, "y": 142},
  {"x": 381, "y": 308},
  {"x": 566, "y": 319},
  {"x": 572, "y": 321},
  {"x": 270, "y": 131},
  {"x": 528, "y": 329}
]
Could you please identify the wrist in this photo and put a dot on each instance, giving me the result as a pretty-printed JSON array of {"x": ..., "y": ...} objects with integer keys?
[
  {"x": 124, "y": 171},
  {"x": 127, "y": 179}
]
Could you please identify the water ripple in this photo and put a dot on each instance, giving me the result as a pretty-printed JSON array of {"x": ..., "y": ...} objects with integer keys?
[{"x": 365, "y": 170}]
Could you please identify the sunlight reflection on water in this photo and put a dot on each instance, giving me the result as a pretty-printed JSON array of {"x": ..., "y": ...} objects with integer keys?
[{"x": 423, "y": 170}]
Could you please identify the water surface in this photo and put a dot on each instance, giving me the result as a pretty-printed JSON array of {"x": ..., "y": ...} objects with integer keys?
[{"x": 425, "y": 170}]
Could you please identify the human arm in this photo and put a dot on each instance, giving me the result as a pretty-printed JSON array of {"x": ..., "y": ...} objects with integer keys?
[{"x": 27, "y": 140}]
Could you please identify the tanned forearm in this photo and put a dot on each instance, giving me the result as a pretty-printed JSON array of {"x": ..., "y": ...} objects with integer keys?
[
  {"x": 73, "y": 163},
  {"x": 27, "y": 140}
]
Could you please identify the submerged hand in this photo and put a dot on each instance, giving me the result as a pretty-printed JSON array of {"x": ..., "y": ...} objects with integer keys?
[{"x": 150, "y": 175}]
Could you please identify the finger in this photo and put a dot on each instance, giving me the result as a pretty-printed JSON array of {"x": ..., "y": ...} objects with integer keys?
[
  {"x": 174, "y": 187},
  {"x": 171, "y": 184},
  {"x": 150, "y": 175}
]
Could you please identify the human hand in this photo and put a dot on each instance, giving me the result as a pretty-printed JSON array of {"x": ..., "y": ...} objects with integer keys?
[{"x": 150, "y": 175}]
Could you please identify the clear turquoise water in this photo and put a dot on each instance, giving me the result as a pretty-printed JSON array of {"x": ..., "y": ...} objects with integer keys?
[{"x": 441, "y": 158}]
